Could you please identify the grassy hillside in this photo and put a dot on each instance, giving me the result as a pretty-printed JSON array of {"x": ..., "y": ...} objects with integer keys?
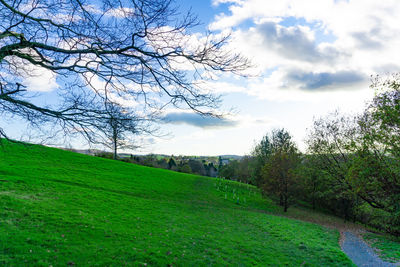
[{"x": 60, "y": 208}]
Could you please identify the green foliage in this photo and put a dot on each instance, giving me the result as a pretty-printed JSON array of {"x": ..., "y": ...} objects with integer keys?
[
  {"x": 197, "y": 167},
  {"x": 220, "y": 164},
  {"x": 230, "y": 170},
  {"x": 376, "y": 169},
  {"x": 238, "y": 170},
  {"x": 61, "y": 208},
  {"x": 106, "y": 155},
  {"x": 184, "y": 168},
  {"x": 313, "y": 185},
  {"x": 260, "y": 153},
  {"x": 171, "y": 163},
  {"x": 279, "y": 172},
  {"x": 360, "y": 156}
]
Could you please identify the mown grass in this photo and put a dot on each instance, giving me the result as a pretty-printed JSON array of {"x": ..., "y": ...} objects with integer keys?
[
  {"x": 60, "y": 208},
  {"x": 387, "y": 247}
]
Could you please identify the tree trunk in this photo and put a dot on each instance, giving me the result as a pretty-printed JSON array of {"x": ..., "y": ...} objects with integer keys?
[
  {"x": 286, "y": 194},
  {"x": 313, "y": 196},
  {"x": 115, "y": 150},
  {"x": 115, "y": 139},
  {"x": 285, "y": 207}
]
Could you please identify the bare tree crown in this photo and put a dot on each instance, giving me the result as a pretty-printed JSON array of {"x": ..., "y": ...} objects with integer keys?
[{"x": 104, "y": 51}]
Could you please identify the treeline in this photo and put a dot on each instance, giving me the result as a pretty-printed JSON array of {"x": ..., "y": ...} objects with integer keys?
[
  {"x": 184, "y": 164},
  {"x": 351, "y": 166}
]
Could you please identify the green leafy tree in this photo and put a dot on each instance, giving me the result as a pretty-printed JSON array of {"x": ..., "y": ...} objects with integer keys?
[
  {"x": 260, "y": 154},
  {"x": 375, "y": 173},
  {"x": 197, "y": 167},
  {"x": 313, "y": 182},
  {"x": 244, "y": 170},
  {"x": 279, "y": 173},
  {"x": 184, "y": 167},
  {"x": 332, "y": 142},
  {"x": 220, "y": 163},
  {"x": 171, "y": 163},
  {"x": 230, "y": 170}
]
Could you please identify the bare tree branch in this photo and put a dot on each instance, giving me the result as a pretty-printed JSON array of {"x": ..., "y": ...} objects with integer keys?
[{"x": 140, "y": 50}]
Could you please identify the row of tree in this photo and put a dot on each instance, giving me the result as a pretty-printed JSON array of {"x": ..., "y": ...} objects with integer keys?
[
  {"x": 351, "y": 168},
  {"x": 185, "y": 164}
]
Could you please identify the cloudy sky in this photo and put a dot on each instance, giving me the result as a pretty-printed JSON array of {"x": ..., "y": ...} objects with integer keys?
[{"x": 311, "y": 57}]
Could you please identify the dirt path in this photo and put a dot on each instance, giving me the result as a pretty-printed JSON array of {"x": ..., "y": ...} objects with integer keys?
[{"x": 359, "y": 252}]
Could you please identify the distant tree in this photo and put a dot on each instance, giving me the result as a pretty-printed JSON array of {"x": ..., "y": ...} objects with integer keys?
[
  {"x": 136, "y": 159},
  {"x": 239, "y": 170},
  {"x": 171, "y": 163},
  {"x": 220, "y": 163},
  {"x": 230, "y": 170},
  {"x": 162, "y": 163},
  {"x": 279, "y": 172},
  {"x": 119, "y": 126},
  {"x": 184, "y": 167},
  {"x": 105, "y": 155},
  {"x": 149, "y": 160},
  {"x": 260, "y": 153},
  {"x": 244, "y": 170},
  {"x": 197, "y": 167}
]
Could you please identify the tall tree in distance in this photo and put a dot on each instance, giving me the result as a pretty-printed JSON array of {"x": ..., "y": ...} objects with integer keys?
[
  {"x": 141, "y": 51},
  {"x": 261, "y": 153},
  {"x": 279, "y": 171},
  {"x": 120, "y": 126},
  {"x": 171, "y": 163}
]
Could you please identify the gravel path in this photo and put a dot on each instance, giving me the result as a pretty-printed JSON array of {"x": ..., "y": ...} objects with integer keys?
[{"x": 360, "y": 253}]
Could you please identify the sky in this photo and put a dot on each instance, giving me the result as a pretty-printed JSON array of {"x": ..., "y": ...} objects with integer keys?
[{"x": 310, "y": 57}]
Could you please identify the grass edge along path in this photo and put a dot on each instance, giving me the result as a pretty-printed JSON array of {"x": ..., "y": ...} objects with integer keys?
[{"x": 387, "y": 247}]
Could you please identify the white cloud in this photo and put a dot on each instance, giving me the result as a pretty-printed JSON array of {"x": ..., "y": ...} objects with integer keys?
[
  {"x": 41, "y": 80},
  {"x": 120, "y": 12},
  {"x": 203, "y": 135},
  {"x": 219, "y": 87},
  {"x": 303, "y": 45},
  {"x": 218, "y": 2},
  {"x": 34, "y": 78}
]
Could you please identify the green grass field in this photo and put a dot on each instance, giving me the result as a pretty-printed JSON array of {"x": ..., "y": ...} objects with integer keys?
[{"x": 60, "y": 208}]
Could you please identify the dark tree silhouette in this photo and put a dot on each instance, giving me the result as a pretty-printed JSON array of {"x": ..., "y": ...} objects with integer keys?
[
  {"x": 138, "y": 51},
  {"x": 120, "y": 126}
]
